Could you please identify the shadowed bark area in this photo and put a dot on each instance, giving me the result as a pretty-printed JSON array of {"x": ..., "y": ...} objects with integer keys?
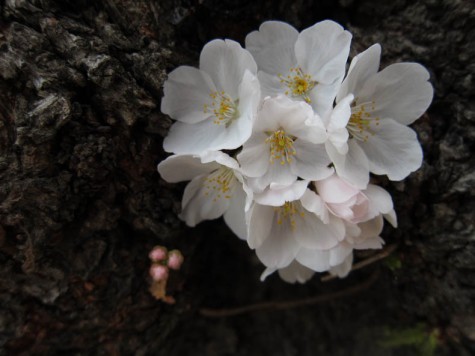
[{"x": 81, "y": 203}]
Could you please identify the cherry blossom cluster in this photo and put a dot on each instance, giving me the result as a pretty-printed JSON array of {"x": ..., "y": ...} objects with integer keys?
[{"x": 280, "y": 141}]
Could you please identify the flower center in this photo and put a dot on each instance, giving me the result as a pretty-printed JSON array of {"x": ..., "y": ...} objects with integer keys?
[
  {"x": 220, "y": 183},
  {"x": 360, "y": 124},
  {"x": 224, "y": 108},
  {"x": 281, "y": 147},
  {"x": 298, "y": 84},
  {"x": 288, "y": 212}
]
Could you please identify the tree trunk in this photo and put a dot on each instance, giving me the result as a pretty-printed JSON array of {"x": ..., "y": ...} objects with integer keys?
[{"x": 81, "y": 203}]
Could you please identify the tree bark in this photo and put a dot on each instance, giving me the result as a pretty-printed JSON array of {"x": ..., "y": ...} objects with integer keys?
[{"x": 81, "y": 203}]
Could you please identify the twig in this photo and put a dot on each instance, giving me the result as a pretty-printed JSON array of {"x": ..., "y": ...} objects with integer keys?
[
  {"x": 279, "y": 305},
  {"x": 379, "y": 256}
]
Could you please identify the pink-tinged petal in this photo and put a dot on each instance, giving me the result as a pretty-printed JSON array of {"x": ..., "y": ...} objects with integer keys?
[
  {"x": 260, "y": 222},
  {"x": 295, "y": 272},
  {"x": 343, "y": 269},
  {"x": 314, "y": 204},
  {"x": 226, "y": 62},
  {"x": 313, "y": 233},
  {"x": 316, "y": 260},
  {"x": 362, "y": 67},
  {"x": 392, "y": 149},
  {"x": 311, "y": 161},
  {"x": 180, "y": 168},
  {"x": 401, "y": 91},
  {"x": 277, "y": 195},
  {"x": 335, "y": 190},
  {"x": 186, "y": 92},
  {"x": 273, "y": 46},
  {"x": 353, "y": 167},
  {"x": 279, "y": 249},
  {"x": 235, "y": 216}
]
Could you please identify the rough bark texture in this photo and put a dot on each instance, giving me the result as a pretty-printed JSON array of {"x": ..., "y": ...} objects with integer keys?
[{"x": 81, "y": 203}]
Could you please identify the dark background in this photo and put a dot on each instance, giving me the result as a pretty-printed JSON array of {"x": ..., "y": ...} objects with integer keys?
[{"x": 81, "y": 203}]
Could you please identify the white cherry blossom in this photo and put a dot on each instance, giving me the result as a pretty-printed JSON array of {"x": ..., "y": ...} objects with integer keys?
[
  {"x": 286, "y": 144},
  {"x": 214, "y": 105},
  {"x": 216, "y": 188},
  {"x": 289, "y": 222},
  {"x": 382, "y": 105},
  {"x": 307, "y": 66}
]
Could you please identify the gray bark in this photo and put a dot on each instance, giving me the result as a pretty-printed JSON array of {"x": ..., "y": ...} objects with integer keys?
[{"x": 81, "y": 203}]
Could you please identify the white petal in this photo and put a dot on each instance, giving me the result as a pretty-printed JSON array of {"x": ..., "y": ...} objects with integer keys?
[
  {"x": 226, "y": 62},
  {"x": 401, "y": 92},
  {"x": 273, "y": 46},
  {"x": 295, "y": 272},
  {"x": 270, "y": 84},
  {"x": 340, "y": 253},
  {"x": 186, "y": 92},
  {"x": 380, "y": 200},
  {"x": 276, "y": 174},
  {"x": 314, "y": 204},
  {"x": 278, "y": 195},
  {"x": 316, "y": 260},
  {"x": 341, "y": 114},
  {"x": 234, "y": 216},
  {"x": 322, "y": 51},
  {"x": 311, "y": 161},
  {"x": 353, "y": 166},
  {"x": 255, "y": 155},
  {"x": 391, "y": 218},
  {"x": 180, "y": 168},
  {"x": 362, "y": 67},
  {"x": 369, "y": 229},
  {"x": 279, "y": 249},
  {"x": 371, "y": 243},
  {"x": 207, "y": 136},
  {"x": 343, "y": 269},
  {"x": 260, "y": 220},
  {"x": 392, "y": 150},
  {"x": 311, "y": 232},
  {"x": 267, "y": 272},
  {"x": 197, "y": 206},
  {"x": 219, "y": 157}
]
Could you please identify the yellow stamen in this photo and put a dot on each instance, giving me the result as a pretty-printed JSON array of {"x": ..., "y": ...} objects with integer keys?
[
  {"x": 359, "y": 125},
  {"x": 220, "y": 183},
  {"x": 298, "y": 84},
  {"x": 288, "y": 212},
  {"x": 224, "y": 109},
  {"x": 281, "y": 147}
]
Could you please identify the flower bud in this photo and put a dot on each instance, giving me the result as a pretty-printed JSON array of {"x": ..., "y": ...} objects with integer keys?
[
  {"x": 175, "y": 259},
  {"x": 158, "y": 272},
  {"x": 158, "y": 253}
]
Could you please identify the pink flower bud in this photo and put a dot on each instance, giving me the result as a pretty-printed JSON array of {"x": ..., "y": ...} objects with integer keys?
[
  {"x": 158, "y": 272},
  {"x": 158, "y": 253},
  {"x": 175, "y": 259}
]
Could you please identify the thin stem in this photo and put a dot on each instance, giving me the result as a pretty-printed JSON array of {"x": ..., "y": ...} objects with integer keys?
[
  {"x": 280, "y": 305},
  {"x": 379, "y": 256}
]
